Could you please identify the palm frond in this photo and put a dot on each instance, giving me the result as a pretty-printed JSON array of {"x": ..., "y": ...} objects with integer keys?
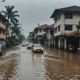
[
  {"x": 13, "y": 21},
  {"x": 16, "y": 15},
  {"x": 16, "y": 20},
  {"x": 3, "y": 12},
  {"x": 12, "y": 7}
]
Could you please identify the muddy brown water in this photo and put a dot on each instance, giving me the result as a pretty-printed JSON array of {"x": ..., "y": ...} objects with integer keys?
[{"x": 22, "y": 64}]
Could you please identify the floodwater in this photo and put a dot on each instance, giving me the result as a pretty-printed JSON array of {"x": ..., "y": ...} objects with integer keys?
[{"x": 22, "y": 64}]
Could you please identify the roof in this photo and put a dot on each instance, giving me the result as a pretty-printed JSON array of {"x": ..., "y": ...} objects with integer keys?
[
  {"x": 45, "y": 26},
  {"x": 66, "y": 9}
]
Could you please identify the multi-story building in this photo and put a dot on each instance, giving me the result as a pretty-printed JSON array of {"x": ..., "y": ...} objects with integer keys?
[
  {"x": 31, "y": 36},
  {"x": 66, "y": 19},
  {"x": 40, "y": 33},
  {"x": 50, "y": 34},
  {"x": 43, "y": 34},
  {"x": 3, "y": 24}
]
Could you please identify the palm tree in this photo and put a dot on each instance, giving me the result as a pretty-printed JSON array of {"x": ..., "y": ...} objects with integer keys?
[{"x": 11, "y": 15}]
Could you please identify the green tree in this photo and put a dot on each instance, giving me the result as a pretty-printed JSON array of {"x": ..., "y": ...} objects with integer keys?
[
  {"x": 21, "y": 37},
  {"x": 12, "y": 17},
  {"x": 11, "y": 14}
]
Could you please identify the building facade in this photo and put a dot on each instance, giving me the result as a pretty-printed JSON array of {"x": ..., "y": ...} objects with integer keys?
[
  {"x": 3, "y": 24},
  {"x": 66, "y": 20},
  {"x": 43, "y": 33}
]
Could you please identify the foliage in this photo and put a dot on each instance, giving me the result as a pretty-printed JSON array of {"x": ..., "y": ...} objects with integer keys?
[
  {"x": 10, "y": 14},
  {"x": 13, "y": 30},
  {"x": 21, "y": 37}
]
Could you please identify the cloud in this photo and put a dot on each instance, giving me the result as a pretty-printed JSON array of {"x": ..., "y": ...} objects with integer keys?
[{"x": 33, "y": 12}]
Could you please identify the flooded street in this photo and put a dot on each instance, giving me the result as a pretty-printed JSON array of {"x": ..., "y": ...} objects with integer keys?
[{"x": 22, "y": 64}]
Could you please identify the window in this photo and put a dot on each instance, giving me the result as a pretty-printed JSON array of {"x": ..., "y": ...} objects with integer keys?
[
  {"x": 3, "y": 31},
  {"x": 68, "y": 15},
  {"x": 51, "y": 32},
  {"x": 68, "y": 27},
  {"x": 57, "y": 18},
  {"x": 59, "y": 28},
  {"x": 55, "y": 29},
  {"x": 0, "y": 31},
  {"x": 40, "y": 30}
]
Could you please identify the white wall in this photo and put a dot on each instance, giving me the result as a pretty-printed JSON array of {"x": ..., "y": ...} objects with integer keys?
[
  {"x": 48, "y": 35},
  {"x": 62, "y": 22}
]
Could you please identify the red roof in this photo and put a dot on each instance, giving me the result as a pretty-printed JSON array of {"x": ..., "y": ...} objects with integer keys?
[{"x": 45, "y": 26}]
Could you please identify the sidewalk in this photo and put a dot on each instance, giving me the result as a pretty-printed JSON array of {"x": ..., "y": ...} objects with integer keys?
[{"x": 8, "y": 53}]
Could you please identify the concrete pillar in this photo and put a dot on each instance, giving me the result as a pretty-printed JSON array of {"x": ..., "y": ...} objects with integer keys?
[
  {"x": 79, "y": 43},
  {"x": 49, "y": 42},
  {"x": 54, "y": 42},
  {"x": 65, "y": 43},
  {"x": 59, "y": 42}
]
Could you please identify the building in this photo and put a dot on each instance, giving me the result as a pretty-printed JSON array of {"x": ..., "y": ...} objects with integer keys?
[
  {"x": 3, "y": 24},
  {"x": 49, "y": 35},
  {"x": 31, "y": 36},
  {"x": 42, "y": 34},
  {"x": 66, "y": 19}
]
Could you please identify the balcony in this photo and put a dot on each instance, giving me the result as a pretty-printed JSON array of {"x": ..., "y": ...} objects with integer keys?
[
  {"x": 40, "y": 33},
  {"x": 2, "y": 26},
  {"x": 2, "y": 36}
]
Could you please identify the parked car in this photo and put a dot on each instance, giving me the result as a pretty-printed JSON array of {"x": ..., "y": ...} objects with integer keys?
[
  {"x": 29, "y": 45},
  {"x": 37, "y": 48},
  {"x": 23, "y": 45}
]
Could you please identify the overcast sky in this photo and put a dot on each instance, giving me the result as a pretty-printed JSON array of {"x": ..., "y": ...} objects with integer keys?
[{"x": 33, "y": 12}]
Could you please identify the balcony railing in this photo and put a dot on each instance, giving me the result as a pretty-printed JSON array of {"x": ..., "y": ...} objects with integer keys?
[{"x": 40, "y": 33}]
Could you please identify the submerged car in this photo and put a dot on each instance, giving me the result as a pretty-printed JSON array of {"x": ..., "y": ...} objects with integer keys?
[
  {"x": 37, "y": 48},
  {"x": 29, "y": 45},
  {"x": 23, "y": 44}
]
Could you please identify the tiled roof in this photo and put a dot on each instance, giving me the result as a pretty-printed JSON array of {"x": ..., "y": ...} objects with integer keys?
[
  {"x": 66, "y": 9},
  {"x": 45, "y": 26}
]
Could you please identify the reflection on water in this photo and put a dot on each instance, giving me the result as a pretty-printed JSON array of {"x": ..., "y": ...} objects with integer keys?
[
  {"x": 8, "y": 70},
  {"x": 52, "y": 65},
  {"x": 67, "y": 68},
  {"x": 38, "y": 66}
]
